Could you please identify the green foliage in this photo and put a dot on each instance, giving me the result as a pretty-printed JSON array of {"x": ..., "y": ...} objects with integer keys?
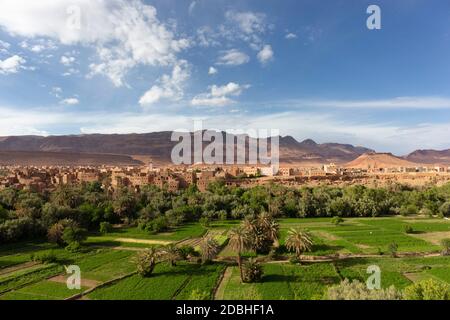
[
  {"x": 393, "y": 249},
  {"x": 45, "y": 257},
  {"x": 355, "y": 290},
  {"x": 427, "y": 290},
  {"x": 209, "y": 248},
  {"x": 337, "y": 220},
  {"x": 105, "y": 227},
  {"x": 146, "y": 261},
  {"x": 409, "y": 229},
  {"x": 198, "y": 295},
  {"x": 252, "y": 271},
  {"x": 445, "y": 243}
]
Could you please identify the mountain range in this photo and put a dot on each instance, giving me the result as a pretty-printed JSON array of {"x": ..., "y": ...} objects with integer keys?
[{"x": 132, "y": 149}]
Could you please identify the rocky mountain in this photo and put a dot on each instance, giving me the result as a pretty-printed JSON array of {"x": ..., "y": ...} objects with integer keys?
[
  {"x": 430, "y": 157},
  {"x": 158, "y": 146}
]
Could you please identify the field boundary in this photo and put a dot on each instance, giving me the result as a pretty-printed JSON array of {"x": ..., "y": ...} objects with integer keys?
[{"x": 104, "y": 284}]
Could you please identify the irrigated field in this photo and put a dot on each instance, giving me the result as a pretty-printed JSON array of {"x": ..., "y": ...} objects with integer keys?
[{"x": 110, "y": 259}]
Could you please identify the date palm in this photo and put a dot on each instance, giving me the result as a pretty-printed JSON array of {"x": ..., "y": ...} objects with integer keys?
[
  {"x": 147, "y": 260},
  {"x": 299, "y": 241},
  {"x": 172, "y": 254},
  {"x": 239, "y": 242},
  {"x": 209, "y": 249}
]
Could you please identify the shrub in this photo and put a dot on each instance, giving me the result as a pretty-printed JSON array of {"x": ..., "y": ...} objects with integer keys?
[
  {"x": 337, "y": 220},
  {"x": 393, "y": 248},
  {"x": 204, "y": 222},
  {"x": 426, "y": 212},
  {"x": 252, "y": 271},
  {"x": 409, "y": 229},
  {"x": 199, "y": 295},
  {"x": 356, "y": 290},
  {"x": 408, "y": 210},
  {"x": 188, "y": 251},
  {"x": 446, "y": 247},
  {"x": 45, "y": 257},
  {"x": 427, "y": 290},
  {"x": 444, "y": 210},
  {"x": 157, "y": 225},
  {"x": 105, "y": 227}
]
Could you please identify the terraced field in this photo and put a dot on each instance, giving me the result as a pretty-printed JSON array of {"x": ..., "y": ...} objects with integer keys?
[{"x": 109, "y": 257}]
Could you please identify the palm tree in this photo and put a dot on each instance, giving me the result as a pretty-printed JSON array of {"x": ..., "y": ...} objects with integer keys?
[
  {"x": 273, "y": 231},
  {"x": 239, "y": 242},
  {"x": 172, "y": 254},
  {"x": 299, "y": 241},
  {"x": 147, "y": 260},
  {"x": 209, "y": 249}
]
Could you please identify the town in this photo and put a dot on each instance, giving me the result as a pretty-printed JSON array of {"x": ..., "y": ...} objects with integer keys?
[{"x": 173, "y": 178}]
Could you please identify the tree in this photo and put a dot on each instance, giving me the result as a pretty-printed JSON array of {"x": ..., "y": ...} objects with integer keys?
[
  {"x": 252, "y": 271},
  {"x": 73, "y": 236},
  {"x": 444, "y": 210},
  {"x": 55, "y": 234},
  {"x": 239, "y": 241},
  {"x": 446, "y": 247},
  {"x": 172, "y": 254},
  {"x": 209, "y": 249},
  {"x": 427, "y": 290},
  {"x": 147, "y": 260},
  {"x": 299, "y": 241}
]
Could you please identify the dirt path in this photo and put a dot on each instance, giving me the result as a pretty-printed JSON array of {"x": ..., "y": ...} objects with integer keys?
[
  {"x": 18, "y": 267},
  {"x": 143, "y": 241},
  {"x": 84, "y": 282},
  {"x": 220, "y": 292}
]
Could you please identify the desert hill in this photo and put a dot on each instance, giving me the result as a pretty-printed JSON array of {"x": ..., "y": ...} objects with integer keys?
[
  {"x": 36, "y": 158},
  {"x": 430, "y": 157},
  {"x": 378, "y": 160},
  {"x": 158, "y": 146}
]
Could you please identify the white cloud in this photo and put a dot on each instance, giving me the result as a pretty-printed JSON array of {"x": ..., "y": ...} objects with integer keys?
[
  {"x": 291, "y": 36},
  {"x": 169, "y": 87},
  {"x": 192, "y": 7},
  {"x": 248, "y": 22},
  {"x": 56, "y": 91},
  {"x": 70, "y": 101},
  {"x": 219, "y": 95},
  {"x": 11, "y": 64},
  {"x": 394, "y": 103},
  {"x": 5, "y": 44},
  {"x": 233, "y": 57},
  {"x": 124, "y": 33},
  {"x": 67, "y": 61},
  {"x": 212, "y": 71},
  {"x": 266, "y": 54}
]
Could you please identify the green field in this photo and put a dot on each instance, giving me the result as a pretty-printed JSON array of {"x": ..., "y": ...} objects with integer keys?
[{"x": 105, "y": 258}]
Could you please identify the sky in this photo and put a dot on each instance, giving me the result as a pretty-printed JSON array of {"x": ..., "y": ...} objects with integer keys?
[{"x": 309, "y": 68}]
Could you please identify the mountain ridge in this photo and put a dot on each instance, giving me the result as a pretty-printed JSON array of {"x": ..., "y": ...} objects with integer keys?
[{"x": 158, "y": 146}]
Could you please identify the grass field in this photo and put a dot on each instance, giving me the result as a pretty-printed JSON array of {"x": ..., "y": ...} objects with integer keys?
[
  {"x": 111, "y": 256},
  {"x": 166, "y": 283}
]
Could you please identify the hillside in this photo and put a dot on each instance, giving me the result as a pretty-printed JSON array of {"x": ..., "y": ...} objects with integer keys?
[
  {"x": 378, "y": 160},
  {"x": 430, "y": 156},
  {"x": 36, "y": 158},
  {"x": 158, "y": 146}
]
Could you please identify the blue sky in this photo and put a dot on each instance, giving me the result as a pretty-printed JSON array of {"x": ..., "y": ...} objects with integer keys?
[{"x": 311, "y": 69}]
